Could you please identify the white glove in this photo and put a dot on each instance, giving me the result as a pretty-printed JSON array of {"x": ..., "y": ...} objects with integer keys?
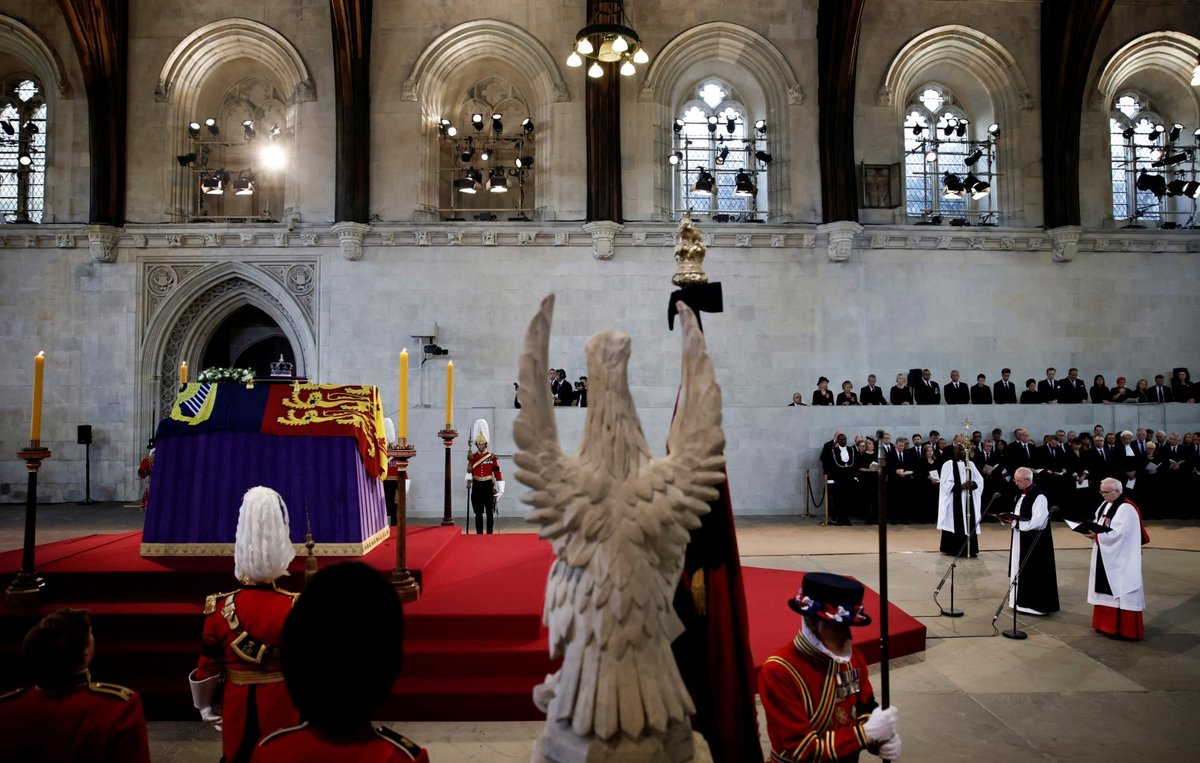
[
  {"x": 209, "y": 716},
  {"x": 468, "y": 478},
  {"x": 499, "y": 488},
  {"x": 891, "y": 749},
  {"x": 881, "y": 725}
]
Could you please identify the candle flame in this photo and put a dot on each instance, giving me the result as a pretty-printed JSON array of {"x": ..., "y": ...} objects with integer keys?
[{"x": 41, "y": 354}]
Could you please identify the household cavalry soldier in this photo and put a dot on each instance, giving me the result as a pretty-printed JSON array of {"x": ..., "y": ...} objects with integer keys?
[
  {"x": 484, "y": 479},
  {"x": 242, "y": 633}
]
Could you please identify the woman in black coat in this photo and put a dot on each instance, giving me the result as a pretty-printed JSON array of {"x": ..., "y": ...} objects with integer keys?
[
  {"x": 822, "y": 395},
  {"x": 847, "y": 396},
  {"x": 901, "y": 394},
  {"x": 1030, "y": 395},
  {"x": 1099, "y": 392}
]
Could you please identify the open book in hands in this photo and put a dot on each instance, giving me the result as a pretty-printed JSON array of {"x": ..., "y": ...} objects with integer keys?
[{"x": 1087, "y": 526}]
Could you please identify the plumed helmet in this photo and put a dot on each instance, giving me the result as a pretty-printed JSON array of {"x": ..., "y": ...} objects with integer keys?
[
  {"x": 479, "y": 433},
  {"x": 262, "y": 547}
]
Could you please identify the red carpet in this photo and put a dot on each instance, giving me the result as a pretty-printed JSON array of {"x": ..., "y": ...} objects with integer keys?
[{"x": 474, "y": 644}]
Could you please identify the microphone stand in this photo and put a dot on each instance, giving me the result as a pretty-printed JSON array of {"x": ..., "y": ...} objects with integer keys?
[
  {"x": 1014, "y": 632},
  {"x": 951, "y": 612}
]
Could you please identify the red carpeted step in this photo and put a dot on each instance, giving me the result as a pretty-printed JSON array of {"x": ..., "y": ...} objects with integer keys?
[
  {"x": 423, "y": 658},
  {"x": 478, "y": 698}
]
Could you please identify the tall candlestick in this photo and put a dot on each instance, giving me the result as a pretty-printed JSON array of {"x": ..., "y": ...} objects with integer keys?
[
  {"x": 183, "y": 372},
  {"x": 403, "y": 413},
  {"x": 35, "y": 425},
  {"x": 449, "y": 393}
]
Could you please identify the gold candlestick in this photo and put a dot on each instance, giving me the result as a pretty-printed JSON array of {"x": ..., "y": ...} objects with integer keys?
[{"x": 402, "y": 579}]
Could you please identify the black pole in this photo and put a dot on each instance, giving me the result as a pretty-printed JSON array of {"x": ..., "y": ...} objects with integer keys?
[
  {"x": 87, "y": 476},
  {"x": 26, "y": 587},
  {"x": 884, "y": 636}
]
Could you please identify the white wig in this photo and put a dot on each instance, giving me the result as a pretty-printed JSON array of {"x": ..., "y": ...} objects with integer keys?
[{"x": 262, "y": 549}]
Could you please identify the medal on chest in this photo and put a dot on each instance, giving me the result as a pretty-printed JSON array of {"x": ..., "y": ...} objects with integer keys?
[{"x": 846, "y": 683}]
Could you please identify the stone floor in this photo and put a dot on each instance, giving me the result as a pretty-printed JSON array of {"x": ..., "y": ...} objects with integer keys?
[{"x": 971, "y": 696}]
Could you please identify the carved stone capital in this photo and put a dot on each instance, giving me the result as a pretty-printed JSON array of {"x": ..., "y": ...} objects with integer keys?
[
  {"x": 1064, "y": 242},
  {"x": 604, "y": 234},
  {"x": 350, "y": 238},
  {"x": 102, "y": 242},
  {"x": 841, "y": 238}
]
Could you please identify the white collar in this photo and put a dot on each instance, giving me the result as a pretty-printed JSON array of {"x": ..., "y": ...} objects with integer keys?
[{"x": 815, "y": 643}]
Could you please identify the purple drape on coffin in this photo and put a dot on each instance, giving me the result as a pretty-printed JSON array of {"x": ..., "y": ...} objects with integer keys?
[{"x": 198, "y": 483}]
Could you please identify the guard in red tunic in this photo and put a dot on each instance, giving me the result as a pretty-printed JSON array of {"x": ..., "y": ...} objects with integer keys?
[
  {"x": 343, "y": 646},
  {"x": 144, "y": 470},
  {"x": 483, "y": 477},
  {"x": 242, "y": 633},
  {"x": 65, "y": 715},
  {"x": 815, "y": 691}
]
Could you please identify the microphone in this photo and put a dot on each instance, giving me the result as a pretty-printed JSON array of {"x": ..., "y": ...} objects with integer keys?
[{"x": 1055, "y": 509}]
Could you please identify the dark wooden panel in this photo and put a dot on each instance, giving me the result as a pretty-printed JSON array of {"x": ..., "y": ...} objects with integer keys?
[
  {"x": 351, "y": 25},
  {"x": 838, "y": 27}
]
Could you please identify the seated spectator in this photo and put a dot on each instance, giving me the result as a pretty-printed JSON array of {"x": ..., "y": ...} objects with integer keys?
[
  {"x": 1160, "y": 392},
  {"x": 1182, "y": 388},
  {"x": 1141, "y": 392},
  {"x": 822, "y": 395},
  {"x": 901, "y": 394},
  {"x": 797, "y": 399},
  {"x": 1099, "y": 393},
  {"x": 871, "y": 394},
  {"x": 847, "y": 396},
  {"x": 341, "y": 652},
  {"x": 1121, "y": 393},
  {"x": 1030, "y": 395},
  {"x": 981, "y": 393},
  {"x": 65, "y": 715}
]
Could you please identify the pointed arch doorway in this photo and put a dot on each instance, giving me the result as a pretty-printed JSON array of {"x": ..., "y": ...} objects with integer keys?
[{"x": 248, "y": 338}]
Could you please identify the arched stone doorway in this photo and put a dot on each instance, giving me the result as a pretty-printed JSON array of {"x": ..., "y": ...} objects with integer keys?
[{"x": 248, "y": 338}]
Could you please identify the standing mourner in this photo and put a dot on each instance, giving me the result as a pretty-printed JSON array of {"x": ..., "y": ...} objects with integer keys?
[
  {"x": 65, "y": 715},
  {"x": 1037, "y": 588},
  {"x": 960, "y": 490},
  {"x": 1115, "y": 576},
  {"x": 483, "y": 477},
  {"x": 144, "y": 470},
  {"x": 815, "y": 691},
  {"x": 243, "y": 630}
]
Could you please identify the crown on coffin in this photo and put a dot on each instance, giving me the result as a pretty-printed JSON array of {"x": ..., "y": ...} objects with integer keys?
[{"x": 281, "y": 367}]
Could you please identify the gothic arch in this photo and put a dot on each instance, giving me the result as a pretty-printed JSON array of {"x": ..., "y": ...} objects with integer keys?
[
  {"x": 735, "y": 49},
  {"x": 1172, "y": 53},
  {"x": 188, "y": 67},
  {"x": 982, "y": 56},
  {"x": 29, "y": 46},
  {"x": 181, "y": 324}
]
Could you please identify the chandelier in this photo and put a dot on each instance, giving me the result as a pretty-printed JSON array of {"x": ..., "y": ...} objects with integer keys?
[{"x": 608, "y": 38}]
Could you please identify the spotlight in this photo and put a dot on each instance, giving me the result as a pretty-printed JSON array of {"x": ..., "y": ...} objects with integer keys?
[
  {"x": 1155, "y": 184},
  {"x": 185, "y": 160},
  {"x": 976, "y": 187},
  {"x": 704, "y": 183},
  {"x": 25, "y": 160},
  {"x": 1165, "y": 161},
  {"x": 527, "y": 125},
  {"x": 477, "y": 122},
  {"x": 444, "y": 126},
  {"x": 961, "y": 129},
  {"x": 193, "y": 129},
  {"x": 497, "y": 182},
  {"x": 678, "y": 126},
  {"x": 276, "y": 131},
  {"x": 952, "y": 186},
  {"x": 248, "y": 129},
  {"x": 1156, "y": 154},
  {"x": 761, "y": 126},
  {"x": 931, "y": 153},
  {"x": 1176, "y": 130},
  {"x": 497, "y": 125},
  {"x": 1176, "y": 186},
  {"x": 485, "y": 153},
  {"x": 743, "y": 186},
  {"x": 525, "y": 162},
  {"x": 994, "y": 130},
  {"x": 763, "y": 157},
  {"x": 466, "y": 155},
  {"x": 722, "y": 154},
  {"x": 272, "y": 157},
  {"x": 918, "y": 129},
  {"x": 676, "y": 157},
  {"x": 1191, "y": 189},
  {"x": 594, "y": 71},
  {"x": 469, "y": 182},
  {"x": 451, "y": 131},
  {"x": 1158, "y": 129},
  {"x": 1128, "y": 133},
  {"x": 948, "y": 130},
  {"x": 712, "y": 124},
  {"x": 214, "y": 184},
  {"x": 8, "y": 128},
  {"x": 213, "y": 129},
  {"x": 973, "y": 157},
  {"x": 730, "y": 124},
  {"x": 32, "y": 128},
  {"x": 627, "y": 68},
  {"x": 244, "y": 185},
  {"x": 574, "y": 60},
  {"x": 935, "y": 220}
]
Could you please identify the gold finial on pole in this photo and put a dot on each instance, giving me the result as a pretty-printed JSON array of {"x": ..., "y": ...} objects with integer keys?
[
  {"x": 689, "y": 253},
  {"x": 310, "y": 563}
]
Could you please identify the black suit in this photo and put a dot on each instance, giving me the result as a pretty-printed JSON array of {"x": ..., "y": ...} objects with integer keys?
[
  {"x": 927, "y": 393},
  {"x": 957, "y": 393},
  {"x": 1158, "y": 394},
  {"x": 1004, "y": 392},
  {"x": 1048, "y": 390},
  {"x": 981, "y": 395},
  {"x": 1017, "y": 455},
  {"x": 871, "y": 396},
  {"x": 1072, "y": 391},
  {"x": 902, "y": 491}
]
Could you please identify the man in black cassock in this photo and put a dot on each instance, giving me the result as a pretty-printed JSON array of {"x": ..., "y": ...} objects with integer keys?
[{"x": 1037, "y": 589}]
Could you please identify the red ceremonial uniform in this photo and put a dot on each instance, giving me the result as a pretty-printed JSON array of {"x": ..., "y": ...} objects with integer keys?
[
  {"x": 815, "y": 707},
  {"x": 484, "y": 466},
  {"x": 303, "y": 743},
  {"x": 85, "y": 723},
  {"x": 241, "y": 640}
]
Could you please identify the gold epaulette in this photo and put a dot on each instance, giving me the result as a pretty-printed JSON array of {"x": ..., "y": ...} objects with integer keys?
[
  {"x": 13, "y": 694},
  {"x": 411, "y": 748},
  {"x": 115, "y": 690},
  {"x": 294, "y": 594},
  {"x": 210, "y": 602}
]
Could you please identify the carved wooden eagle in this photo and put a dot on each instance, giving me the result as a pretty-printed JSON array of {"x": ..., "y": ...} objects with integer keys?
[{"x": 618, "y": 521}]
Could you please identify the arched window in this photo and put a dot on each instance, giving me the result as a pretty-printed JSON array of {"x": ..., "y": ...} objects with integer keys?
[
  {"x": 22, "y": 150},
  {"x": 720, "y": 157},
  {"x": 487, "y": 155},
  {"x": 948, "y": 161},
  {"x": 1152, "y": 179}
]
